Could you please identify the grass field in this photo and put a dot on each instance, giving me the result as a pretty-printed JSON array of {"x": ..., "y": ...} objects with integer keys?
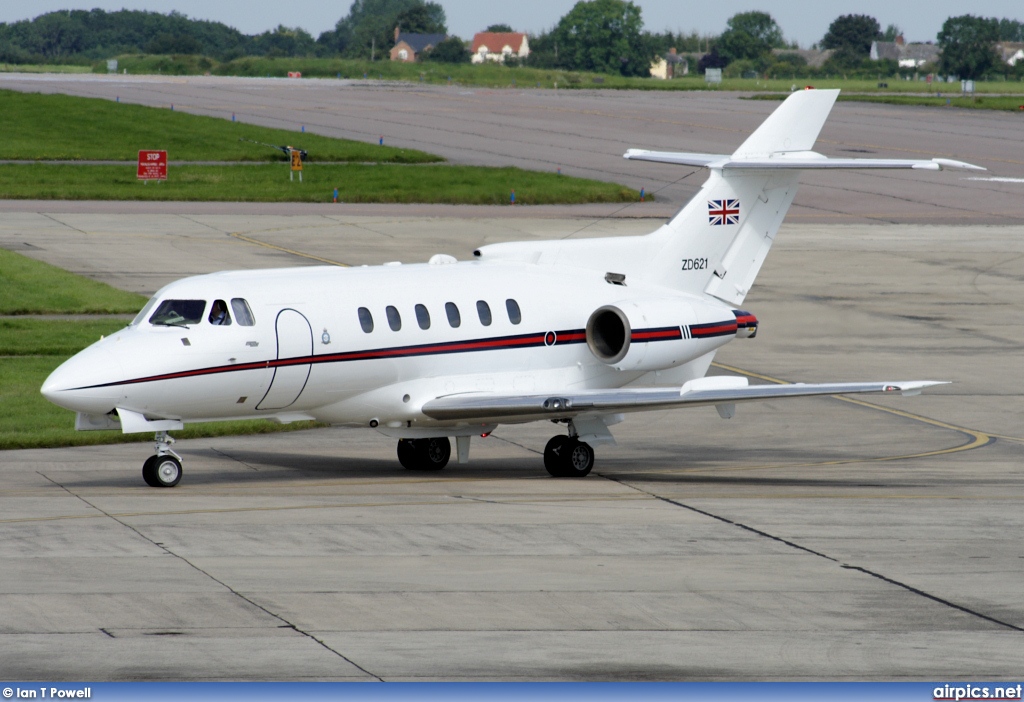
[
  {"x": 43, "y": 68},
  {"x": 31, "y": 348},
  {"x": 270, "y": 183},
  {"x": 1009, "y": 103},
  {"x": 32, "y": 287},
  {"x": 62, "y": 127},
  {"x": 496, "y": 76}
]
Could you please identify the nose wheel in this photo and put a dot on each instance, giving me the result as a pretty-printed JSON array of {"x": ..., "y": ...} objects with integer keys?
[
  {"x": 568, "y": 457},
  {"x": 163, "y": 469},
  {"x": 424, "y": 454}
]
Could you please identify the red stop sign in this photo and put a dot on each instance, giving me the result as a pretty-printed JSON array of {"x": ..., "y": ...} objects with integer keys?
[{"x": 152, "y": 165}]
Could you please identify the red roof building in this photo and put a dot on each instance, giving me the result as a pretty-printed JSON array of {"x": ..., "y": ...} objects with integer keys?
[{"x": 496, "y": 46}]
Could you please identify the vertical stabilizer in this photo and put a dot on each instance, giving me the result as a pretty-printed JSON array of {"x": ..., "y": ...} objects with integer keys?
[
  {"x": 716, "y": 244},
  {"x": 794, "y": 126}
]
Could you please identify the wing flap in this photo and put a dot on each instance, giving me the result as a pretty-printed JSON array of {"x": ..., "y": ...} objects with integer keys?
[{"x": 719, "y": 391}]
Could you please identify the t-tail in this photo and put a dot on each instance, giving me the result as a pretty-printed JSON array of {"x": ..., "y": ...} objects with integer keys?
[{"x": 716, "y": 244}]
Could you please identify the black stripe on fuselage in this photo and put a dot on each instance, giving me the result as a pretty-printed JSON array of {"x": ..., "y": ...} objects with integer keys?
[{"x": 520, "y": 341}]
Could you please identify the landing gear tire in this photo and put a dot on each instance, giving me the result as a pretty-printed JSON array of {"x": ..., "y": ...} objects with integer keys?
[
  {"x": 161, "y": 471},
  {"x": 566, "y": 457},
  {"x": 407, "y": 454},
  {"x": 424, "y": 454}
]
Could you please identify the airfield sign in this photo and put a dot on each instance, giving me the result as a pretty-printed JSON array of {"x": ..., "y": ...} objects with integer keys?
[{"x": 152, "y": 165}]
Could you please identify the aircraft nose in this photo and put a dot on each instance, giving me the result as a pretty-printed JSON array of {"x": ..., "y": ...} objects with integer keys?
[{"x": 85, "y": 382}]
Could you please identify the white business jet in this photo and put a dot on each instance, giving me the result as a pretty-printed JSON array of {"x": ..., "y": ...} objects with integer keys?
[{"x": 577, "y": 332}]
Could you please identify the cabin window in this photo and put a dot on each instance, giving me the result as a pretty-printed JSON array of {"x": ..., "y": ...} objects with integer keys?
[
  {"x": 365, "y": 320},
  {"x": 453, "y": 314},
  {"x": 484, "y": 311},
  {"x": 178, "y": 313},
  {"x": 243, "y": 315},
  {"x": 219, "y": 316},
  {"x": 394, "y": 319},
  {"x": 423, "y": 316},
  {"x": 514, "y": 315}
]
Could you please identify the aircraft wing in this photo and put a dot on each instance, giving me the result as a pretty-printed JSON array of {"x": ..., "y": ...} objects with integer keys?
[{"x": 722, "y": 391}]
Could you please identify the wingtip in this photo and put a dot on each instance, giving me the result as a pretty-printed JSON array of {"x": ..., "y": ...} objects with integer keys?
[{"x": 914, "y": 387}]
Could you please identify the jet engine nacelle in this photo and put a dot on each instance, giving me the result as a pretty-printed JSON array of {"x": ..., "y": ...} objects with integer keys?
[{"x": 648, "y": 335}]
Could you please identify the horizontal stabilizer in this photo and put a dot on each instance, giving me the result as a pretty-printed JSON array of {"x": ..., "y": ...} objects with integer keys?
[
  {"x": 806, "y": 160},
  {"x": 715, "y": 390}
]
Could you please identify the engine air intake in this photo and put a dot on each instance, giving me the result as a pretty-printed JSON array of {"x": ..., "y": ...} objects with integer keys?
[{"x": 608, "y": 334}]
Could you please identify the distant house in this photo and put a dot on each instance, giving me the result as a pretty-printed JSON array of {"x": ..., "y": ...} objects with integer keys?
[
  {"x": 906, "y": 55},
  {"x": 1010, "y": 51},
  {"x": 671, "y": 66},
  {"x": 408, "y": 47},
  {"x": 815, "y": 58},
  {"x": 497, "y": 46}
]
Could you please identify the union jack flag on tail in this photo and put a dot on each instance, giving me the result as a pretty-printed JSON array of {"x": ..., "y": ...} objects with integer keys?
[{"x": 724, "y": 211}]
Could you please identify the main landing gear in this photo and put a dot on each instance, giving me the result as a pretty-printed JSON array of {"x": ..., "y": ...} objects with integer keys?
[
  {"x": 424, "y": 454},
  {"x": 163, "y": 469},
  {"x": 568, "y": 457}
]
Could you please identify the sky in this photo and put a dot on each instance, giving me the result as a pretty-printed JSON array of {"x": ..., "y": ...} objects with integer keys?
[{"x": 802, "y": 20}]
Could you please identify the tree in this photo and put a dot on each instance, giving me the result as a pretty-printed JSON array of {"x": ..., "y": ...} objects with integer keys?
[
  {"x": 370, "y": 26},
  {"x": 1011, "y": 30},
  {"x": 750, "y": 35},
  {"x": 852, "y": 33},
  {"x": 711, "y": 60},
  {"x": 425, "y": 18},
  {"x": 891, "y": 32},
  {"x": 166, "y": 43},
  {"x": 501, "y": 28},
  {"x": 968, "y": 45},
  {"x": 451, "y": 50},
  {"x": 284, "y": 41},
  {"x": 602, "y": 36}
]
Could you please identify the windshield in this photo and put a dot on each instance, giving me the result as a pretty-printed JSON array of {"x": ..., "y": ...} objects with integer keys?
[
  {"x": 144, "y": 312},
  {"x": 178, "y": 313}
]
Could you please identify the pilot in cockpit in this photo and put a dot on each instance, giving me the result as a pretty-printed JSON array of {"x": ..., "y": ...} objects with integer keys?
[{"x": 219, "y": 314}]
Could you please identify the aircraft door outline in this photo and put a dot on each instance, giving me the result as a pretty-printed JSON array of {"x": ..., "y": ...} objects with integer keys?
[{"x": 294, "y": 340}]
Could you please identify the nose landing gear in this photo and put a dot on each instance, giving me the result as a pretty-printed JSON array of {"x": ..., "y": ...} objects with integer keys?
[
  {"x": 163, "y": 469},
  {"x": 568, "y": 457}
]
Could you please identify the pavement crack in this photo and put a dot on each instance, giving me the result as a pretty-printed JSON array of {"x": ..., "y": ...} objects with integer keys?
[
  {"x": 229, "y": 588},
  {"x": 232, "y": 458},
  {"x": 845, "y": 566}
]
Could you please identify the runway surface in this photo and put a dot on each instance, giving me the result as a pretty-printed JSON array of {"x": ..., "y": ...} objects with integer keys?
[
  {"x": 816, "y": 539},
  {"x": 586, "y": 132}
]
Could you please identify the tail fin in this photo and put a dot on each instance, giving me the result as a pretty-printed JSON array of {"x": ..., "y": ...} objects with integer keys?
[{"x": 716, "y": 244}]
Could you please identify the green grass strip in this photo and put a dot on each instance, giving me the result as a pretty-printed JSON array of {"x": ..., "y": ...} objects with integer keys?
[
  {"x": 491, "y": 75},
  {"x": 46, "y": 337},
  {"x": 62, "y": 127},
  {"x": 28, "y": 286},
  {"x": 270, "y": 183},
  {"x": 1010, "y": 103}
]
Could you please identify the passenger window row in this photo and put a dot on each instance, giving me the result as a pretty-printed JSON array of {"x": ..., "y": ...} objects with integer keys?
[{"x": 451, "y": 310}]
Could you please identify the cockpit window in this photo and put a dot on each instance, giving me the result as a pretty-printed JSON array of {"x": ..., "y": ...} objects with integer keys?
[
  {"x": 178, "y": 313},
  {"x": 219, "y": 316},
  {"x": 144, "y": 312},
  {"x": 243, "y": 315}
]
